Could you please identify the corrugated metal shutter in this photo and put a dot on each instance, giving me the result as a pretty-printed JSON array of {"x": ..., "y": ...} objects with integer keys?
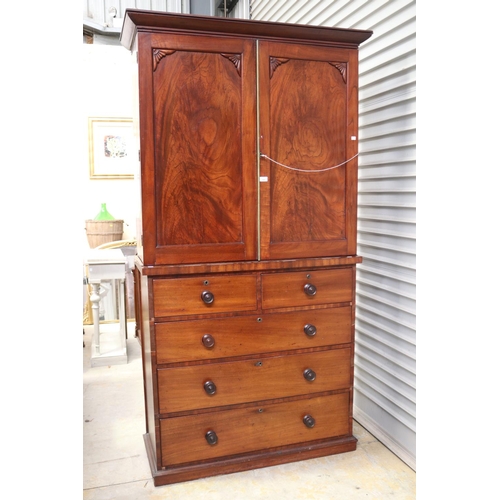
[
  {"x": 385, "y": 371},
  {"x": 98, "y": 10}
]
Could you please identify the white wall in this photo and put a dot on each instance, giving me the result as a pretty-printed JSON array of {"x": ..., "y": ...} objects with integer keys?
[{"x": 108, "y": 93}]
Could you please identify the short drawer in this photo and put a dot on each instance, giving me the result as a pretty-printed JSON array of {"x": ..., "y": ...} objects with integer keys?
[
  {"x": 187, "y": 388},
  {"x": 204, "y": 295},
  {"x": 204, "y": 339},
  {"x": 217, "y": 434},
  {"x": 303, "y": 288}
]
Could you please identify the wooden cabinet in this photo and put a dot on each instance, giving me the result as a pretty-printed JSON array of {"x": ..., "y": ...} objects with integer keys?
[{"x": 246, "y": 261}]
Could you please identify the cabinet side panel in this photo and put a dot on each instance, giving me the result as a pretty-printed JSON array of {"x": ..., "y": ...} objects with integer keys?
[
  {"x": 148, "y": 362},
  {"x": 351, "y": 152},
  {"x": 147, "y": 237}
]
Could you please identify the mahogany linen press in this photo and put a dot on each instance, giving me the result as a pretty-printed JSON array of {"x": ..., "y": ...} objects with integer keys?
[{"x": 246, "y": 254}]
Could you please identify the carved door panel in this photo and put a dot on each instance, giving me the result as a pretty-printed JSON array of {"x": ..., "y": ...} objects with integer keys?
[
  {"x": 201, "y": 164},
  {"x": 308, "y": 120}
]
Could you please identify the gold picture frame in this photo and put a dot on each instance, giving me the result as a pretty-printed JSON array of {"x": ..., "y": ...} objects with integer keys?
[{"x": 111, "y": 147}]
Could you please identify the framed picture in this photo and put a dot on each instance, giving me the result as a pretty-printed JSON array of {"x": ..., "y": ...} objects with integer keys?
[{"x": 111, "y": 146}]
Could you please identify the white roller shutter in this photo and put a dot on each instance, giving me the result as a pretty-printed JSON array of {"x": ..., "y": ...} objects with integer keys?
[
  {"x": 385, "y": 361},
  {"x": 98, "y": 10}
]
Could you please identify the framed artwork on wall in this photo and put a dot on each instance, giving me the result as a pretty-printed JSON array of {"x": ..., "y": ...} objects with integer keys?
[{"x": 110, "y": 148}]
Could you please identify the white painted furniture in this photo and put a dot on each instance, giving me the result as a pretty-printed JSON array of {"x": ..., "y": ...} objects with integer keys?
[{"x": 109, "y": 344}]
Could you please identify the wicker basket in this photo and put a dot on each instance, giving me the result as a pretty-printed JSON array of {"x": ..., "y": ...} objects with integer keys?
[{"x": 103, "y": 231}]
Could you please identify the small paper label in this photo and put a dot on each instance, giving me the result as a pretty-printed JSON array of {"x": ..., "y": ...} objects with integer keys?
[
  {"x": 263, "y": 179},
  {"x": 353, "y": 137}
]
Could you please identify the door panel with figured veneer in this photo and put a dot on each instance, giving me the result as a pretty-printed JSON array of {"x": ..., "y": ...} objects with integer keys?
[
  {"x": 204, "y": 112},
  {"x": 304, "y": 116}
]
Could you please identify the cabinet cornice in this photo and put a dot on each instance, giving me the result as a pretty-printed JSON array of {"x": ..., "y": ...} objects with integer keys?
[{"x": 137, "y": 21}]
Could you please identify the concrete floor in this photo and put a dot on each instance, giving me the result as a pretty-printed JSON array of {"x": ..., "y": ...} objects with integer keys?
[{"x": 115, "y": 466}]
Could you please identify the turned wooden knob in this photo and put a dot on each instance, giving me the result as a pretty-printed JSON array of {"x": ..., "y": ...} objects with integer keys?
[
  {"x": 310, "y": 330},
  {"x": 210, "y": 387},
  {"x": 309, "y": 421},
  {"x": 309, "y": 375},
  {"x": 208, "y": 341},
  {"x": 207, "y": 297},
  {"x": 310, "y": 289},
  {"x": 211, "y": 437}
]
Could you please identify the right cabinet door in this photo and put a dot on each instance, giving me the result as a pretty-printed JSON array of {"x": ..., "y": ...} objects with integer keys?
[{"x": 308, "y": 108}]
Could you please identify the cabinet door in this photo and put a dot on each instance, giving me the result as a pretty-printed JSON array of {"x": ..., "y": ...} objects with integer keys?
[
  {"x": 199, "y": 143},
  {"x": 308, "y": 124}
]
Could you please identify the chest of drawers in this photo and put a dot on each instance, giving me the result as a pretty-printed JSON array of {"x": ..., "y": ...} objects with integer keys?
[{"x": 247, "y": 369}]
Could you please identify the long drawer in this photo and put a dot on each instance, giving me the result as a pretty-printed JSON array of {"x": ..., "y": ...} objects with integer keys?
[
  {"x": 179, "y": 341},
  {"x": 214, "y": 294},
  {"x": 233, "y": 382},
  {"x": 216, "y": 434},
  {"x": 306, "y": 288}
]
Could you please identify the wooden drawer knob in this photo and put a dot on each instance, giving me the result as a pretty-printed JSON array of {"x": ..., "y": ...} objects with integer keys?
[
  {"x": 210, "y": 388},
  {"x": 207, "y": 297},
  {"x": 310, "y": 289},
  {"x": 310, "y": 330},
  {"x": 208, "y": 341},
  {"x": 211, "y": 438},
  {"x": 309, "y": 375},
  {"x": 309, "y": 421}
]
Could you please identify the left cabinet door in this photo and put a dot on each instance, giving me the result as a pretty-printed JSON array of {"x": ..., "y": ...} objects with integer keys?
[{"x": 198, "y": 148}]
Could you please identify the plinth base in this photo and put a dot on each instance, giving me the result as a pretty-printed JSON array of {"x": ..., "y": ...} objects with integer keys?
[{"x": 256, "y": 460}]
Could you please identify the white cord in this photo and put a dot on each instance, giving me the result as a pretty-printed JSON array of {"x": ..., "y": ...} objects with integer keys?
[{"x": 262, "y": 155}]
